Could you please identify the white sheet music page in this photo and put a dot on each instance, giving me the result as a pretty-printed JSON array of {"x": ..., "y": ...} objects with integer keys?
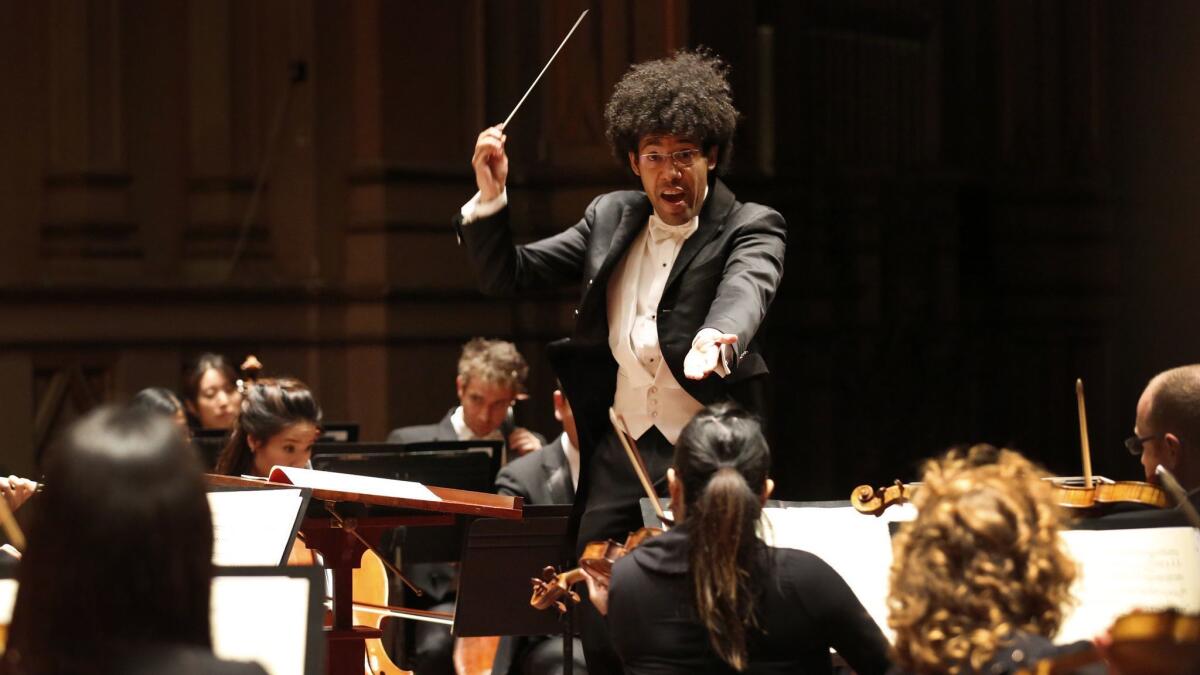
[
  {"x": 348, "y": 482},
  {"x": 1123, "y": 570},
  {"x": 857, "y": 546},
  {"x": 252, "y": 527},
  {"x": 261, "y": 619}
]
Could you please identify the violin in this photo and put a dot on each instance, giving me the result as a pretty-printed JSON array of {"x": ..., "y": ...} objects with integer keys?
[
  {"x": 1148, "y": 643},
  {"x": 875, "y": 500},
  {"x": 554, "y": 589}
]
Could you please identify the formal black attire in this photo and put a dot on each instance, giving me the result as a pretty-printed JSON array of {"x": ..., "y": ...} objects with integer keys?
[
  {"x": 425, "y": 433},
  {"x": 724, "y": 277},
  {"x": 803, "y": 608},
  {"x": 540, "y": 477}
]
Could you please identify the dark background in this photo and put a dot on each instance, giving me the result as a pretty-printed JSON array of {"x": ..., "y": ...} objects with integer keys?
[{"x": 986, "y": 200}]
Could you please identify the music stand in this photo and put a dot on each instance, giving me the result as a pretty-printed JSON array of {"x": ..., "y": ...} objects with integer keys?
[
  {"x": 499, "y": 558},
  {"x": 492, "y": 448},
  {"x": 342, "y": 538},
  {"x": 468, "y": 469},
  {"x": 339, "y": 432}
]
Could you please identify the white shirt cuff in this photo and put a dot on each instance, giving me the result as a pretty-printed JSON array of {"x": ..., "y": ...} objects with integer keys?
[
  {"x": 727, "y": 351},
  {"x": 475, "y": 209}
]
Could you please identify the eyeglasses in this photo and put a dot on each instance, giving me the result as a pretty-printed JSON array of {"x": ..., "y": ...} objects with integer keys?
[
  {"x": 1136, "y": 444},
  {"x": 681, "y": 158}
]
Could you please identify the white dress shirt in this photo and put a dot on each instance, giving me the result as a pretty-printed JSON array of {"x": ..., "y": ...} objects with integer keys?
[
  {"x": 572, "y": 454},
  {"x": 647, "y": 393},
  {"x": 464, "y": 432}
]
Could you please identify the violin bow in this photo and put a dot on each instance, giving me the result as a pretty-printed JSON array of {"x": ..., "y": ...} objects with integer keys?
[
  {"x": 1083, "y": 434},
  {"x": 635, "y": 458},
  {"x": 1181, "y": 497}
]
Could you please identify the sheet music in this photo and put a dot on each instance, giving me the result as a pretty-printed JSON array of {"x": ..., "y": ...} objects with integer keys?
[
  {"x": 252, "y": 527},
  {"x": 261, "y": 619},
  {"x": 347, "y": 482},
  {"x": 1123, "y": 570},
  {"x": 253, "y": 618},
  {"x": 8, "y": 598},
  {"x": 857, "y": 546}
]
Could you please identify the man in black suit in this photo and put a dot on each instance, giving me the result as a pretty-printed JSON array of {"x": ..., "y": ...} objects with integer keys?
[
  {"x": 545, "y": 476},
  {"x": 676, "y": 279},
  {"x": 491, "y": 377},
  {"x": 549, "y": 474}
]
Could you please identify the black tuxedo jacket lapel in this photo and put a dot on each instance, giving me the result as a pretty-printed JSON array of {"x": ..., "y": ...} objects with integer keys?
[
  {"x": 712, "y": 221},
  {"x": 632, "y": 221},
  {"x": 557, "y": 474}
]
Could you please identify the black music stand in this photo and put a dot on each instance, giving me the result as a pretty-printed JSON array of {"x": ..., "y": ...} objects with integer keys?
[
  {"x": 499, "y": 558},
  {"x": 491, "y": 448},
  {"x": 458, "y": 469},
  {"x": 339, "y": 432}
]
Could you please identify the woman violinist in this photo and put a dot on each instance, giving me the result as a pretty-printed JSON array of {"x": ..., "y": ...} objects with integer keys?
[
  {"x": 210, "y": 392},
  {"x": 980, "y": 579},
  {"x": 708, "y": 596},
  {"x": 117, "y": 573},
  {"x": 279, "y": 422}
]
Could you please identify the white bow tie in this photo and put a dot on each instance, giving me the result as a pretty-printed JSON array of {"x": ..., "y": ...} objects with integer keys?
[{"x": 660, "y": 231}]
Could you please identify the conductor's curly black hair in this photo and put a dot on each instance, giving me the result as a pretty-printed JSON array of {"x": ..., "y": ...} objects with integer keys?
[{"x": 686, "y": 94}]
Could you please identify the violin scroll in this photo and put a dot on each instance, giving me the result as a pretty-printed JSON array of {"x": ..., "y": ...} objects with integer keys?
[
  {"x": 874, "y": 501},
  {"x": 554, "y": 590}
]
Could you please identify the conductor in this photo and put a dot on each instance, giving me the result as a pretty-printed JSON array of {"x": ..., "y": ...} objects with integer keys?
[{"x": 675, "y": 277}]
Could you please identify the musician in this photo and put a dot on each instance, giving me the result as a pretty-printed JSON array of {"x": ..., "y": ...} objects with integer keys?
[
  {"x": 676, "y": 278},
  {"x": 545, "y": 476},
  {"x": 210, "y": 392},
  {"x": 1167, "y": 427},
  {"x": 980, "y": 579},
  {"x": 708, "y": 596},
  {"x": 279, "y": 422},
  {"x": 117, "y": 572},
  {"x": 491, "y": 378}
]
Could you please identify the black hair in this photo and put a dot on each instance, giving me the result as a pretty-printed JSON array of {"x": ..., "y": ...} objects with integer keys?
[
  {"x": 268, "y": 407},
  {"x": 686, "y": 94},
  {"x": 158, "y": 400},
  {"x": 119, "y": 551},
  {"x": 723, "y": 462},
  {"x": 204, "y": 363}
]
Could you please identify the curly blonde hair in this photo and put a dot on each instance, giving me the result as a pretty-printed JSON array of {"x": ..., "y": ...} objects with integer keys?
[
  {"x": 493, "y": 361},
  {"x": 982, "y": 560}
]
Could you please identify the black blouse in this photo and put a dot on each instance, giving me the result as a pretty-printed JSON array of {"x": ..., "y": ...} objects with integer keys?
[{"x": 804, "y": 608}]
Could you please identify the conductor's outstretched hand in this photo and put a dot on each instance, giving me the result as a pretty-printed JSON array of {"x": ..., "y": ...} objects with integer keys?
[{"x": 490, "y": 163}]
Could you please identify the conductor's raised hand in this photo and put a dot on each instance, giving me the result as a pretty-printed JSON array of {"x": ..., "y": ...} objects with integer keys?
[{"x": 490, "y": 163}]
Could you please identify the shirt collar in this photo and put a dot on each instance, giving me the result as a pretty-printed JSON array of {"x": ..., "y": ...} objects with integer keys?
[
  {"x": 660, "y": 231},
  {"x": 464, "y": 432}
]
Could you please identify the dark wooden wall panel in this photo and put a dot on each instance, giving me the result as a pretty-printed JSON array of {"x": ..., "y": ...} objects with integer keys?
[{"x": 986, "y": 200}]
